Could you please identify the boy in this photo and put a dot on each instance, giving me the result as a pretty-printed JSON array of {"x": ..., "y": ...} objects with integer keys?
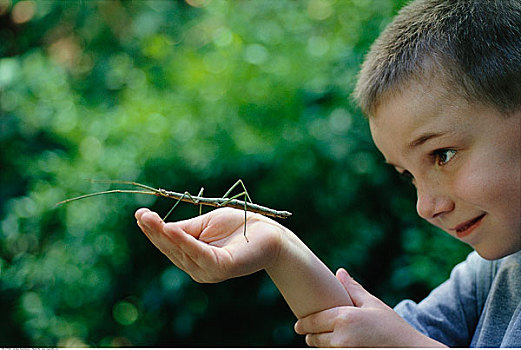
[{"x": 442, "y": 90}]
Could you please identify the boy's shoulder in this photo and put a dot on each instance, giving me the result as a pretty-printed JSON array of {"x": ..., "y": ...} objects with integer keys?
[
  {"x": 475, "y": 306},
  {"x": 486, "y": 271},
  {"x": 499, "y": 298}
]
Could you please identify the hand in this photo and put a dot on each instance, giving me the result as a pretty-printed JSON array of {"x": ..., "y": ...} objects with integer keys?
[
  {"x": 369, "y": 323},
  {"x": 212, "y": 247}
]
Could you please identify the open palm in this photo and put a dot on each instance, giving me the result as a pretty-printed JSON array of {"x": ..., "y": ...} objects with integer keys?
[{"x": 212, "y": 247}]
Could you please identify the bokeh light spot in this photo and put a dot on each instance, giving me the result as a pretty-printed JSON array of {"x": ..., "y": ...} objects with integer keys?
[
  {"x": 256, "y": 54},
  {"x": 32, "y": 303},
  {"x": 23, "y": 12},
  {"x": 317, "y": 46},
  {"x": 197, "y": 3},
  {"x": 319, "y": 9},
  {"x": 4, "y": 6},
  {"x": 91, "y": 148},
  {"x": 125, "y": 313}
]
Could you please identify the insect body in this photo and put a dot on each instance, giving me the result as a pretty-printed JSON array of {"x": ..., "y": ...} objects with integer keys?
[{"x": 224, "y": 201}]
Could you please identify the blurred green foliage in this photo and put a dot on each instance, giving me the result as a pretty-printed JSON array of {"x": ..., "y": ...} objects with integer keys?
[{"x": 181, "y": 95}]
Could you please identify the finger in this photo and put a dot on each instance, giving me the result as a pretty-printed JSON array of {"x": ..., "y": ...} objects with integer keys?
[
  {"x": 152, "y": 226},
  {"x": 185, "y": 251},
  {"x": 138, "y": 215},
  {"x": 343, "y": 276},
  {"x": 319, "y": 322},
  {"x": 151, "y": 221},
  {"x": 193, "y": 226},
  {"x": 203, "y": 262},
  {"x": 223, "y": 220},
  {"x": 176, "y": 255},
  {"x": 140, "y": 212},
  {"x": 185, "y": 243},
  {"x": 358, "y": 294},
  {"x": 320, "y": 340},
  {"x": 143, "y": 229}
]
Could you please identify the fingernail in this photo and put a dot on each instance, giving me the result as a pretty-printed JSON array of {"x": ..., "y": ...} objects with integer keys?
[{"x": 342, "y": 273}]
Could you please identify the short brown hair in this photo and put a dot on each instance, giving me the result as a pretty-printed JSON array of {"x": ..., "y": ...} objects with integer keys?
[{"x": 474, "y": 44}]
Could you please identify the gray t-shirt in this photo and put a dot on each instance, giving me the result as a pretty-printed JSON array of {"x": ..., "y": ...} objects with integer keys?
[{"x": 478, "y": 306}]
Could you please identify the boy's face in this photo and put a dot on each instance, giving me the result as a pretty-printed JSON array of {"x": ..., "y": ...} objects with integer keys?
[{"x": 464, "y": 160}]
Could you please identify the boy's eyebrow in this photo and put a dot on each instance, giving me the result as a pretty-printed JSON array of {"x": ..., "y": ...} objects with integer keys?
[
  {"x": 419, "y": 141},
  {"x": 422, "y": 139}
]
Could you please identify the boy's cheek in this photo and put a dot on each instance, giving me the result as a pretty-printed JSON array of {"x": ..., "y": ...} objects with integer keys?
[{"x": 483, "y": 179}]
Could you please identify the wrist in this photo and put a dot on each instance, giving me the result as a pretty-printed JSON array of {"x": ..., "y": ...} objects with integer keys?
[
  {"x": 305, "y": 282},
  {"x": 274, "y": 241},
  {"x": 286, "y": 247}
]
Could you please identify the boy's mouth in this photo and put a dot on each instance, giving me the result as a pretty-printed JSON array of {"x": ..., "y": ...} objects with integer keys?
[{"x": 467, "y": 227}]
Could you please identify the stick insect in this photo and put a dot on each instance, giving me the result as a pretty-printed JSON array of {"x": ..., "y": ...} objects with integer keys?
[{"x": 224, "y": 201}]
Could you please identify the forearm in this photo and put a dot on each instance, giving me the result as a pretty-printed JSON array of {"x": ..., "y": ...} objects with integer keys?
[{"x": 307, "y": 284}]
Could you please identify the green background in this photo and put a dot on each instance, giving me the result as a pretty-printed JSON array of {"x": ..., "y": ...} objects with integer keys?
[{"x": 181, "y": 95}]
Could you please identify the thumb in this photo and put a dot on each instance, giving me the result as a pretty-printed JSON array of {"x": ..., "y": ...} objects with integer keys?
[{"x": 358, "y": 294}]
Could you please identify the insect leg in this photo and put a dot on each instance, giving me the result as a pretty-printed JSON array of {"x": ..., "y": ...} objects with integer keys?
[
  {"x": 187, "y": 195},
  {"x": 246, "y": 199},
  {"x": 239, "y": 182},
  {"x": 175, "y": 205},
  {"x": 197, "y": 201},
  {"x": 245, "y": 211}
]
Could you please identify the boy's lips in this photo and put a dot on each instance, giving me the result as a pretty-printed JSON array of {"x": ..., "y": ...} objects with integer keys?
[{"x": 465, "y": 228}]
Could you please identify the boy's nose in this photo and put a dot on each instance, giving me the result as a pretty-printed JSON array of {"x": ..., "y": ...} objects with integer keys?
[{"x": 431, "y": 205}]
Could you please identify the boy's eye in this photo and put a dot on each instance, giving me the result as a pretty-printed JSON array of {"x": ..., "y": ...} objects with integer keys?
[{"x": 443, "y": 156}]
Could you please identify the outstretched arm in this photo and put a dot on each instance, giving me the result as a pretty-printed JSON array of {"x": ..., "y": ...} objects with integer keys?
[
  {"x": 212, "y": 248},
  {"x": 331, "y": 311}
]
